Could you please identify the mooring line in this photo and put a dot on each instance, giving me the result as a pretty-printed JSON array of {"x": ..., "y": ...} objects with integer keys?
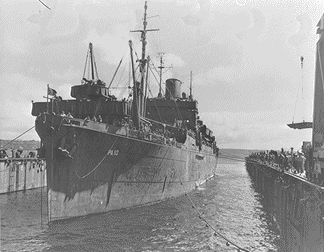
[
  {"x": 228, "y": 241},
  {"x": 18, "y": 136},
  {"x": 216, "y": 233}
]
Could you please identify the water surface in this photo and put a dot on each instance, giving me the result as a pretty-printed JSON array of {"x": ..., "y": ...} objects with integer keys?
[{"x": 229, "y": 202}]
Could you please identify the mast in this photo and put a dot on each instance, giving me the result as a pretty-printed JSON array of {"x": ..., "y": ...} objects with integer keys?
[
  {"x": 115, "y": 73},
  {"x": 161, "y": 69},
  {"x": 90, "y": 65},
  {"x": 136, "y": 116},
  {"x": 190, "y": 96},
  {"x": 91, "y": 60},
  {"x": 302, "y": 77},
  {"x": 146, "y": 85},
  {"x": 143, "y": 59}
]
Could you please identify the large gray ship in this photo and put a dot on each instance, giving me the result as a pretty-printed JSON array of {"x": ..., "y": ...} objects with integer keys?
[{"x": 108, "y": 154}]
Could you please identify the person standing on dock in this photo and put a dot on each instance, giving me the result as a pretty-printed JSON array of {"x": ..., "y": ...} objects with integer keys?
[
  {"x": 317, "y": 171},
  {"x": 307, "y": 150},
  {"x": 19, "y": 152},
  {"x": 291, "y": 159},
  {"x": 300, "y": 166},
  {"x": 3, "y": 153}
]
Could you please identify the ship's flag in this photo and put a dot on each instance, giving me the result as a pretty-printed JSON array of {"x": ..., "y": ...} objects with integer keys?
[{"x": 51, "y": 91}]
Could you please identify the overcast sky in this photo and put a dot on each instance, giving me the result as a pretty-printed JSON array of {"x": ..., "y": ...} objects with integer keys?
[{"x": 245, "y": 58}]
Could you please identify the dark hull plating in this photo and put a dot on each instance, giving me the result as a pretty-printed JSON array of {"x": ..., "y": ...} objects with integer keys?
[{"x": 110, "y": 170}]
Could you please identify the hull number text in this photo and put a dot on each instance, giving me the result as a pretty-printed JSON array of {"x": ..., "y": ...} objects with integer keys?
[{"x": 113, "y": 153}]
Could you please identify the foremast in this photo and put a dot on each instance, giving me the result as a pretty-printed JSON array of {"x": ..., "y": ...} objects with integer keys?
[
  {"x": 138, "y": 92},
  {"x": 90, "y": 65}
]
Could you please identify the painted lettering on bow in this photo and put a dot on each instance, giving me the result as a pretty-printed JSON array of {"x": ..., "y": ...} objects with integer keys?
[{"x": 113, "y": 153}]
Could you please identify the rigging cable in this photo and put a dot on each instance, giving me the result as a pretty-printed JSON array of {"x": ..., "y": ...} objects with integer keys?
[
  {"x": 178, "y": 110},
  {"x": 158, "y": 82},
  {"x": 300, "y": 84},
  {"x": 44, "y": 4},
  {"x": 18, "y": 136},
  {"x": 85, "y": 65},
  {"x": 95, "y": 64},
  {"x": 121, "y": 75},
  {"x": 216, "y": 233},
  {"x": 155, "y": 105}
]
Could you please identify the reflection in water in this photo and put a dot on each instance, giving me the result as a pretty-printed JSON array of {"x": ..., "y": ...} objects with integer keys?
[{"x": 230, "y": 203}]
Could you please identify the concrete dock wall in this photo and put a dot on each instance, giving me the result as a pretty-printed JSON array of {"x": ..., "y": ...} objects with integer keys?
[
  {"x": 17, "y": 174},
  {"x": 296, "y": 205}
]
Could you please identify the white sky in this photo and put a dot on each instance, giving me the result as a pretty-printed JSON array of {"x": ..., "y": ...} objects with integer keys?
[{"x": 244, "y": 56}]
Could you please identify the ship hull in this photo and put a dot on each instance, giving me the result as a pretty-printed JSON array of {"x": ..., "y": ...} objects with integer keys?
[{"x": 108, "y": 170}]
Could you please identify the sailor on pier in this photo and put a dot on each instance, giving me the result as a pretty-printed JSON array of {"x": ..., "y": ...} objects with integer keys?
[
  {"x": 19, "y": 152},
  {"x": 300, "y": 164},
  {"x": 3, "y": 153}
]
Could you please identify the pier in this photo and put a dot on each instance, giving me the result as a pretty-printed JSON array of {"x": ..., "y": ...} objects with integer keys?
[
  {"x": 296, "y": 204},
  {"x": 20, "y": 174}
]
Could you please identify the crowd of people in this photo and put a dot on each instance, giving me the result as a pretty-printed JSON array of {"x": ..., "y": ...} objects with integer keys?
[
  {"x": 19, "y": 153},
  {"x": 299, "y": 163}
]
